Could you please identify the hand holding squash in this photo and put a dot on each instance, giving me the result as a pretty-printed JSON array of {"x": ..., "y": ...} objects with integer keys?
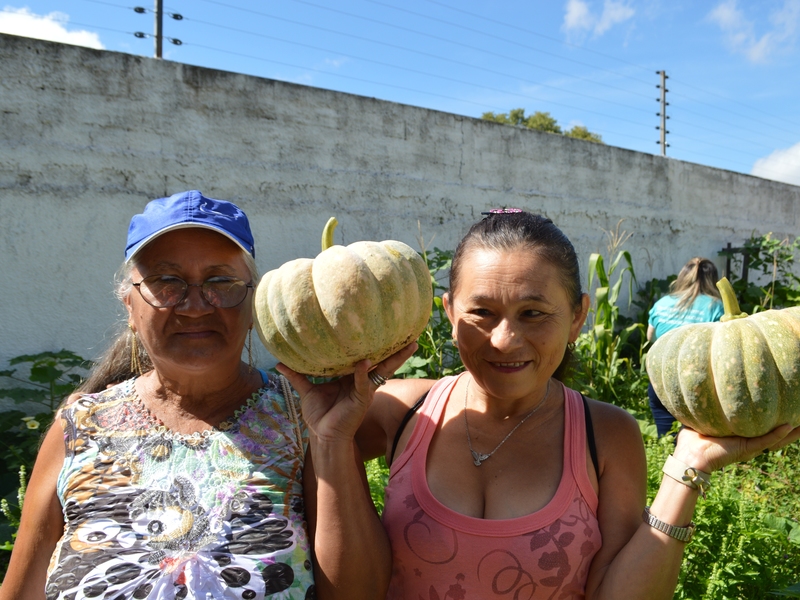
[
  {"x": 364, "y": 301},
  {"x": 710, "y": 454},
  {"x": 738, "y": 377},
  {"x": 334, "y": 410}
]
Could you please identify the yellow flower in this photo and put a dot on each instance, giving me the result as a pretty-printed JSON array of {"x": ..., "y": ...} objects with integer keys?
[{"x": 31, "y": 423}]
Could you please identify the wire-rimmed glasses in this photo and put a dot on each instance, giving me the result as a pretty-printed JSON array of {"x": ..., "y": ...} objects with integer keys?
[{"x": 164, "y": 291}]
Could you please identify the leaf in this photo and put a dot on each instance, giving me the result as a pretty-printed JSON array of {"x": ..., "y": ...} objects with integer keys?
[
  {"x": 44, "y": 373},
  {"x": 566, "y": 538},
  {"x": 539, "y": 539},
  {"x": 794, "y": 535},
  {"x": 20, "y": 395},
  {"x": 776, "y": 523}
]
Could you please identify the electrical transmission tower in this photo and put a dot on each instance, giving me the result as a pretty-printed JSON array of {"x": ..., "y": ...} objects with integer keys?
[{"x": 663, "y": 113}]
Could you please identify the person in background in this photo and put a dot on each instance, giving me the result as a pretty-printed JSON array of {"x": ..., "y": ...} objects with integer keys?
[
  {"x": 176, "y": 471},
  {"x": 505, "y": 483},
  {"x": 693, "y": 298}
]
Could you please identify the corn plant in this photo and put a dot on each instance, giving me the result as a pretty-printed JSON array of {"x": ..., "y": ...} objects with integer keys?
[{"x": 609, "y": 352}]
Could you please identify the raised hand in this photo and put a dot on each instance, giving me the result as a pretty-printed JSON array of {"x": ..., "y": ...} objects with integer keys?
[
  {"x": 710, "y": 453},
  {"x": 334, "y": 410}
]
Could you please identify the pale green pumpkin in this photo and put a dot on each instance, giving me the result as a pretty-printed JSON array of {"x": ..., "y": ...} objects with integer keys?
[
  {"x": 740, "y": 376},
  {"x": 364, "y": 301}
]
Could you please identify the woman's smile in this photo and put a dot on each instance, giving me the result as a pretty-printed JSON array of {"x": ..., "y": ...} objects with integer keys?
[{"x": 512, "y": 318}]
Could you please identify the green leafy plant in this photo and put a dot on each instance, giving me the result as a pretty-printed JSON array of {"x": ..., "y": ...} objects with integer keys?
[
  {"x": 378, "y": 479},
  {"x": 747, "y": 543},
  {"x": 13, "y": 513},
  {"x": 771, "y": 281},
  {"x": 436, "y": 356},
  {"x": 49, "y": 378},
  {"x": 609, "y": 362}
]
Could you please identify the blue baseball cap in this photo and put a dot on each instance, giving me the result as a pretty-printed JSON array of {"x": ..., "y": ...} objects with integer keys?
[{"x": 189, "y": 209}]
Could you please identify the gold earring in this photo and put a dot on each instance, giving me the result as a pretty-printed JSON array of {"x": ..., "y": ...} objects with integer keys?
[
  {"x": 136, "y": 366},
  {"x": 249, "y": 346}
]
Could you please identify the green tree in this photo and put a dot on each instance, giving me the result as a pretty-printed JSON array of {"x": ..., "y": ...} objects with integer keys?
[
  {"x": 580, "y": 132},
  {"x": 541, "y": 121}
]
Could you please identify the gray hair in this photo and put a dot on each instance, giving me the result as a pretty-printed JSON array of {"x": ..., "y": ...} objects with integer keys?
[{"x": 114, "y": 366}]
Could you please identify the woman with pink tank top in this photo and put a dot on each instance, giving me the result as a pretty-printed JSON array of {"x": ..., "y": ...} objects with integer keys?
[{"x": 504, "y": 483}]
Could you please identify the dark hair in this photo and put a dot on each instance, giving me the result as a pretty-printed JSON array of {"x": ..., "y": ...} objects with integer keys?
[
  {"x": 511, "y": 231},
  {"x": 698, "y": 276}
]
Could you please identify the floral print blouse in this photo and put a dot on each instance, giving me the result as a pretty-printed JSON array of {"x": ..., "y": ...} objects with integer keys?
[{"x": 152, "y": 514}]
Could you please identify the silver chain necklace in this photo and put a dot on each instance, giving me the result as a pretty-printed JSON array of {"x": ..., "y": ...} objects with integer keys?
[{"x": 477, "y": 457}]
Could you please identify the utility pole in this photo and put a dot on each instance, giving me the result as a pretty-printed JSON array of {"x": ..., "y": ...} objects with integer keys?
[
  {"x": 159, "y": 26},
  {"x": 158, "y": 36},
  {"x": 663, "y": 113}
]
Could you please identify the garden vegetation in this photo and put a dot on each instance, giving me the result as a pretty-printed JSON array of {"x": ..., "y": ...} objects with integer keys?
[{"x": 747, "y": 543}]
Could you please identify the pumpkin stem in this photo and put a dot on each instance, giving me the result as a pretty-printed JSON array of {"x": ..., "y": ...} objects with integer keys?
[
  {"x": 327, "y": 233},
  {"x": 729, "y": 301}
]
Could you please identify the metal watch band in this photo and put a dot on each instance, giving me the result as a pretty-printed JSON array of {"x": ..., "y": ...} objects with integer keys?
[{"x": 682, "y": 534}]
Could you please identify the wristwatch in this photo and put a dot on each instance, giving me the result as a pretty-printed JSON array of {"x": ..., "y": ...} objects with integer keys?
[{"x": 682, "y": 534}]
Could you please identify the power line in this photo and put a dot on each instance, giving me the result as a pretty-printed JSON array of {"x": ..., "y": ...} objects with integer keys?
[
  {"x": 727, "y": 99},
  {"x": 609, "y": 56},
  {"x": 405, "y": 88},
  {"x": 513, "y": 59},
  {"x": 527, "y": 31},
  {"x": 438, "y": 76},
  {"x": 547, "y": 37},
  {"x": 438, "y": 57},
  {"x": 480, "y": 32},
  {"x": 361, "y": 79},
  {"x": 676, "y": 110},
  {"x": 737, "y": 127}
]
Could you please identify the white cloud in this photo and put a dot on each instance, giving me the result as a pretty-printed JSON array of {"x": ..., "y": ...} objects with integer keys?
[
  {"x": 579, "y": 17},
  {"x": 781, "y": 165},
  {"x": 740, "y": 32},
  {"x": 52, "y": 27},
  {"x": 613, "y": 13}
]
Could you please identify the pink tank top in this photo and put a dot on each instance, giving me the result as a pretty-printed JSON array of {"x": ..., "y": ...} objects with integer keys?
[{"x": 439, "y": 554}]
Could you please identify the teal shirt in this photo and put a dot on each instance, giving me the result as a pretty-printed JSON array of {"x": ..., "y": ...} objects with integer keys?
[{"x": 665, "y": 315}]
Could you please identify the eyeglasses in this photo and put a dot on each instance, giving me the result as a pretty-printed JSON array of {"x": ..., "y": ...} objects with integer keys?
[
  {"x": 163, "y": 291},
  {"x": 501, "y": 211}
]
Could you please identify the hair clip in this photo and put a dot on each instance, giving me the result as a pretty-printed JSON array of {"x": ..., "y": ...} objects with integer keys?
[{"x": 502, "y": 211}]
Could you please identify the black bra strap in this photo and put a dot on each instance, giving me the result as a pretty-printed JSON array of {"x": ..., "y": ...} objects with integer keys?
[
  {"x": 590, "y": 436},
  {"x": 403, "y": 423}
]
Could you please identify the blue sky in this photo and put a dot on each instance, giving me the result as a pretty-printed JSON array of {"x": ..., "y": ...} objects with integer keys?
[{"x": 733, "y": 66}]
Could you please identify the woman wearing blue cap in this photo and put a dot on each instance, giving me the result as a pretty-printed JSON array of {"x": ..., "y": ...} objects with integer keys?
[{"x": 176, "y": 471}]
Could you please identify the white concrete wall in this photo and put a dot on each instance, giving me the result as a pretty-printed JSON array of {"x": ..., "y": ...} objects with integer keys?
[{"x": 88, "y": 137}]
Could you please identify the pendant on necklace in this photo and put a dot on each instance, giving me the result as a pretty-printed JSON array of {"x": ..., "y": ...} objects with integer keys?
[{"x": 478, "y": 458}]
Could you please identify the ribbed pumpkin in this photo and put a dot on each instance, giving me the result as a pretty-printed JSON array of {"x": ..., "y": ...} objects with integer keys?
[
  {"x": 740, "y": 376},
  {"x": 367, "y": 300}
]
